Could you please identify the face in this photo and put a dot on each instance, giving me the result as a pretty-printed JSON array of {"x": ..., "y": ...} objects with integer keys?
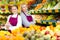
[
  {"x": 24, "y": 8},
  {"x": 14, "y": 10}
]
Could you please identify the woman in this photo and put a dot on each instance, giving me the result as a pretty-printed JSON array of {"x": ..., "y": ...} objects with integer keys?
[
  {"x": 13, "y": 21},
  {"x": 27, "y": 19}
]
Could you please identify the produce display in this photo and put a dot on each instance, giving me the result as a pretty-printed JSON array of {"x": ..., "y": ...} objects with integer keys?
[
  {"x": 46, "y": 12},
  {"x": 40, "y": 5},
  {"x": 5, "y": 35},
  {"x": 34, "y": 32},
  {"x": 43, "y": 19},
  {"x": 49, "y": 5},
  {"x": 57, "y": 6},
  {"x": 46, "y": 5}
]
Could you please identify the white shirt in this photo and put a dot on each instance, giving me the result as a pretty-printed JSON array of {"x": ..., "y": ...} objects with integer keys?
[
  {"x": 25, "y": 22},
  {"x": 19, "y": 24}
]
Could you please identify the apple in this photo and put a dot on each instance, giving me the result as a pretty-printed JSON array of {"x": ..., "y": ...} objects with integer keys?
[
  {"x": 47, "y": 32},
  {"x": 57, "y": 34},
  {"x": 58, "y": 38},
  {"x": 42, "y": 28}
]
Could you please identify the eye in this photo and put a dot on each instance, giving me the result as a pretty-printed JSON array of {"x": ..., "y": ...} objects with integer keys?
[{"x": 13, "y": 9}]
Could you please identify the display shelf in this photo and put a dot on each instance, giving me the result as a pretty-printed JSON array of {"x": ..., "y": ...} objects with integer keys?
[
  {"x": 47, "y": 22},
  {"x": 6, "y": 14},
  {"x": 42, "y": 24},
  {"x": 52, "y": 11},
  {"x": 55, "y": 12},
  {"x": 3, "y": 30},
  {"x": 46, "y": 14}
]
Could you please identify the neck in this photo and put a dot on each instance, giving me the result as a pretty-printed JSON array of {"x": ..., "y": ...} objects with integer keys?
[
  {"x": 15, "y": 14},
  {"x": 25, "y": 12}
]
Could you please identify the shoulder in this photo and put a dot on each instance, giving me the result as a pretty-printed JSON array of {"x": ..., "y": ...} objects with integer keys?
[
  {"x": 19, "y": 16},
  {"x": 9, "y": 16}
]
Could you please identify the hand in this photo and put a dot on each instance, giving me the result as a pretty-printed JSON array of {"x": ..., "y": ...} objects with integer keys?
[{"x": 7, "y": 26}]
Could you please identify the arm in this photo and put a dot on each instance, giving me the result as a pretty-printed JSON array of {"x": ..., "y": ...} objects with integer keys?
[{"x": 7, "y": 23}]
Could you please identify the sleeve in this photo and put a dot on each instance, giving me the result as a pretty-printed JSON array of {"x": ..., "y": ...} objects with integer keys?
[{"x": 19, "y": 24}]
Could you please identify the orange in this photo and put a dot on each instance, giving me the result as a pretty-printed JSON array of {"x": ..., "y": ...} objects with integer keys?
[{"x": 52, "y": 28}]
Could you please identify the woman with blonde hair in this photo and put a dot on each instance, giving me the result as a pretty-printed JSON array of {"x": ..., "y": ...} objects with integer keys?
[{"x": 27, "y": 19}]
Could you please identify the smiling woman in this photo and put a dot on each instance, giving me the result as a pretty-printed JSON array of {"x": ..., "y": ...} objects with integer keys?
[
  {"x": 13, "y": 21},
  {"x": 27, "y": 19}
]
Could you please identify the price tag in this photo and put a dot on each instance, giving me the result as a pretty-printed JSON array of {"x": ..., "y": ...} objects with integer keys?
[{"x": 56, "y": 10}]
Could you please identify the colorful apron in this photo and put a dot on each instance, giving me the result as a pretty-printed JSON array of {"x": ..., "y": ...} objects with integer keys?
[
  {"x": 29, "y": 18},
  {"x": 13, "y": 21}
]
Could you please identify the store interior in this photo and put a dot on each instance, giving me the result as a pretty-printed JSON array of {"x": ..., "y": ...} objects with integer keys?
[{"x": 46, "y": 14}]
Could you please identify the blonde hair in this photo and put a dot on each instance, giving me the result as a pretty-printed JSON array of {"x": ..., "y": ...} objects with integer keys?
[{"x": 22, "y": 5}]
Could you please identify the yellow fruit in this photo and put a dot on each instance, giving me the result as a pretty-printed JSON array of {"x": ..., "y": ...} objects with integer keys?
[
  {"x": 18, "y": 37},
  {"x": 52, "y": 28},
  {"x": 38, "y": 6}
]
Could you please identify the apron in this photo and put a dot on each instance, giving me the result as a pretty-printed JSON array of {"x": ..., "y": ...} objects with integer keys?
[
  {"x": 13, "y": 21},
  {"x": 29, "y": 18}
]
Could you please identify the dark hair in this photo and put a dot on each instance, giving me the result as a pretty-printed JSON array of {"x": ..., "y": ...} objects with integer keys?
[{"x": 9, "y": 7}]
